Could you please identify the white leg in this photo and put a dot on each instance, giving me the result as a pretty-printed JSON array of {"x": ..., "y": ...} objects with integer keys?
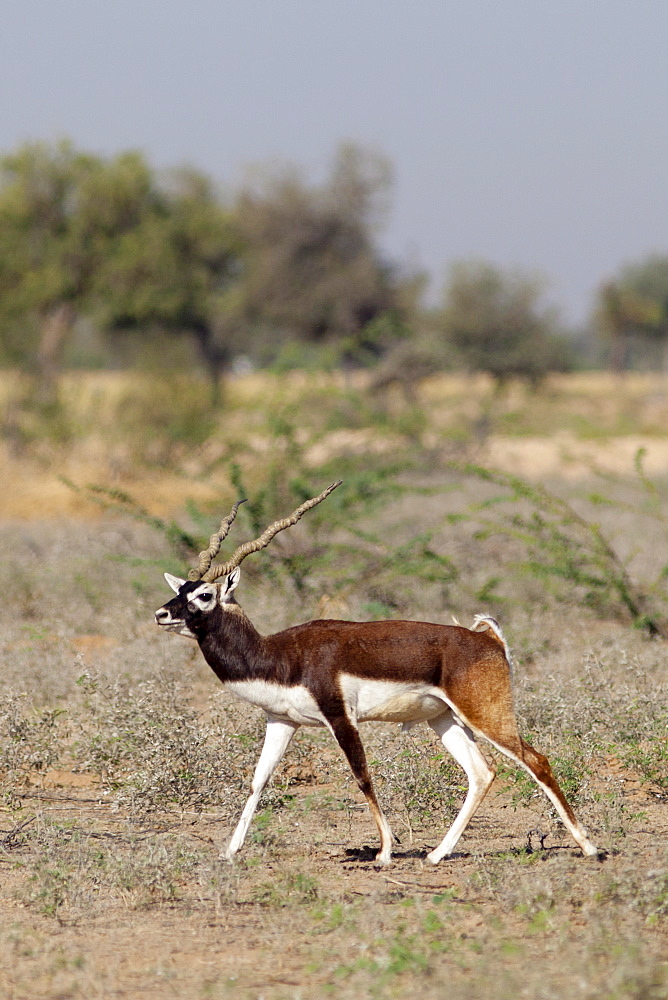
[
  {"x": 458, "y": 740},
  {"x": 276, "y": 742}
]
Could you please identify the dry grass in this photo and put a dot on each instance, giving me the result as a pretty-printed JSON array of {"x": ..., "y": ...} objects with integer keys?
[{"x": 123, "y": 767}]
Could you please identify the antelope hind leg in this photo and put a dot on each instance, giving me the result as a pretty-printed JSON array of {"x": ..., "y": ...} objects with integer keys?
[{"x": 458, "y": 740}]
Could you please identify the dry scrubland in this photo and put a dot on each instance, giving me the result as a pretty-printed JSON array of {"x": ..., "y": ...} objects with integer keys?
[{"x": 123, "y": 767}]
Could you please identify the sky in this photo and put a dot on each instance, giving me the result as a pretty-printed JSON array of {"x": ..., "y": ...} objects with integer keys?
[{"x": 530, "y": 133}]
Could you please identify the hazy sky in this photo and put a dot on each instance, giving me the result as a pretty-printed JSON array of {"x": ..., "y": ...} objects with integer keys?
[{"x": 527, "y": 132}]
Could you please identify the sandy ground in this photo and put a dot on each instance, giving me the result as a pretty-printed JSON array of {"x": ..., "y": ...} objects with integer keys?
[{"x": 254, "y": 930}]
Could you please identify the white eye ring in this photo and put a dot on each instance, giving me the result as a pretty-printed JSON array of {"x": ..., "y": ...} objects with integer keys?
[{"x": 202, "y": 601}]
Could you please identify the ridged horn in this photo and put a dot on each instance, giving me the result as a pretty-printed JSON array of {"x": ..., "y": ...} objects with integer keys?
[
  {"x": 215, "y": 572},
  {"x": 208, "y": 555}
]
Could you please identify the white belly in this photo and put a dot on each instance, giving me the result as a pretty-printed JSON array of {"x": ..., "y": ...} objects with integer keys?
[
  {"x": 390, "y": 701},
  {"x": 289, "y": 704}
]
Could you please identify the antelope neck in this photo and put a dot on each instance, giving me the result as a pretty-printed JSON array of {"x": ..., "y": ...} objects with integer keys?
[{"x": 233, "y": 647}]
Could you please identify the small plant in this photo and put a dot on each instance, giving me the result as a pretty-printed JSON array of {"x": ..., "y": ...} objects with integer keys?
[
  {"x": 50, "y": 887},
  {"x": 286, "y": 889},
  {"x": 71, "y": 868},
  {"x": 561, "y": 545},
  {"x": 649, "y": 759},
  {"x": 183, "y": 544},
  {"x": 29, "y": 741},
  {"x": 151, "y": 749},
  {"x": 417, "y": 780}
]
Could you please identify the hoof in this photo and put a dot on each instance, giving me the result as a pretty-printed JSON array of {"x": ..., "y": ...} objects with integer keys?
[{"x": 590, "y": 851}]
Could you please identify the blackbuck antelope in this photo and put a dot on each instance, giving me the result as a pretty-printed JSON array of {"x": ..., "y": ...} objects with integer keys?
[{"x": 339, "y": 673}]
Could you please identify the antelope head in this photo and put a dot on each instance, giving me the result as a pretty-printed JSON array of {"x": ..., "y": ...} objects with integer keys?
[{"x": 209, "y": 586}]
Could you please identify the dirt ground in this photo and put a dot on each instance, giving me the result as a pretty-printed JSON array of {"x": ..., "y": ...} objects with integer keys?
[
  {"x": 100, "y": 902},
  {"x": 110, "y": 880},
  {"x": 307, "y": 914}
]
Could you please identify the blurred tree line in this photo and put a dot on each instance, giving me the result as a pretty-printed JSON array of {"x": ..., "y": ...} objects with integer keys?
[
  {"x": 632, "y": 315},
  {"x": 105, "y": 262}
]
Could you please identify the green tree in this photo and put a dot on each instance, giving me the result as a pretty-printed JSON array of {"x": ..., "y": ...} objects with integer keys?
[
  {"x": 633, "y": 309},
  {"x": 177, "y": 271},
  {"x": 497, "y": 324},
  {"x": 60, "y": 211},
  {"x": 312, "y": 271}
]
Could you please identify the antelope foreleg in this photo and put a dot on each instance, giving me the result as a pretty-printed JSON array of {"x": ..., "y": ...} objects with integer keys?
[{"x": 276, "y": 740}]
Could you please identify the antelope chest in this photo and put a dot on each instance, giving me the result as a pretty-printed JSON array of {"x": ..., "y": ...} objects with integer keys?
[{"x": 390, "y": 701}]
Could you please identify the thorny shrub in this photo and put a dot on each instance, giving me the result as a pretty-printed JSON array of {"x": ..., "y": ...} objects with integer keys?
[
  {"x": 29, "y": 741},
  {"x": 153, "y": 751},
  {"x": 569, "y": 553}
]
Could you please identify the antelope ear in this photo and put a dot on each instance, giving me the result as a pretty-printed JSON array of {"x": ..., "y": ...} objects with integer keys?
[
  {"x": 174, "y": 582},
  {"x": 231, "y": 582}
]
